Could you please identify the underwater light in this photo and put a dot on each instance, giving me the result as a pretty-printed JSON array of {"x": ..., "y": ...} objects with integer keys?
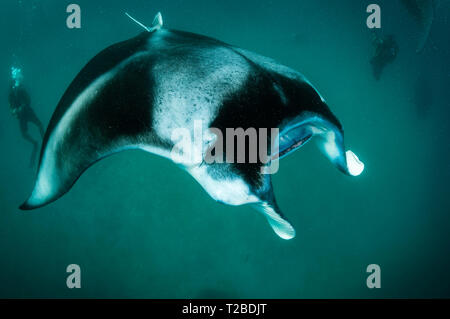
[{"x": 354, "y": 165}]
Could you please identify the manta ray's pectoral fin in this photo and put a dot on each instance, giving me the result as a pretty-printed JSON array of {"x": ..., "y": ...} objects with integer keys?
[
  {"x": 111, "y": 115},
  {"x": 156, "y": 24}
]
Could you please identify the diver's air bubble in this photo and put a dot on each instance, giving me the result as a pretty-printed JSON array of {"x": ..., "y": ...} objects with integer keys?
[
  {"x": 354, "y": 165},
  {"x": 16, "y": 75}
]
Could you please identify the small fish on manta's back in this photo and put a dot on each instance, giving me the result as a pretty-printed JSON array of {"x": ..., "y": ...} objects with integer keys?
[{"x": 135, "y": 93}]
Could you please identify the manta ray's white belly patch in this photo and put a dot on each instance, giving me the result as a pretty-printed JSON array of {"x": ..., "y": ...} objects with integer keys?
[
  {"x": 189, "y": 91},
  {"x": 232, "y": 190}
]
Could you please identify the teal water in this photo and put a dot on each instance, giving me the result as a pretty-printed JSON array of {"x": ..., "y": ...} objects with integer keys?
[{"x": 140, "y": 227}]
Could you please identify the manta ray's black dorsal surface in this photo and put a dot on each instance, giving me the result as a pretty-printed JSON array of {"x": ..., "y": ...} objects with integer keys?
[{"x": 135, "y": 94}]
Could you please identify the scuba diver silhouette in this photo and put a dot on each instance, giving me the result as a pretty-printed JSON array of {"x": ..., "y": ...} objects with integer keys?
[
  {"x": 19, "y": 104},
  {"x": 386, "y": 50}
]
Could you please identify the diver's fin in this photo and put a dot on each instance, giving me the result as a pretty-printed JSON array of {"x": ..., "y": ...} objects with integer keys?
[
  {"x": 276, "y": 220},
  {"x": 156, "y": 24}
]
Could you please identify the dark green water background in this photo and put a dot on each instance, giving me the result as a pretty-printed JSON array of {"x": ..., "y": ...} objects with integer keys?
[{"x": 140, "y": 227}]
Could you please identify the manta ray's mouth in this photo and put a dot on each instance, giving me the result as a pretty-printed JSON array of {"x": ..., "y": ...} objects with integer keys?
[{"x": 291, "y": 140}]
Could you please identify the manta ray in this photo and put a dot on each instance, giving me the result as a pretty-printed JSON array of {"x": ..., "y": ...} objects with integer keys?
[{"x": 135, "y": 93}]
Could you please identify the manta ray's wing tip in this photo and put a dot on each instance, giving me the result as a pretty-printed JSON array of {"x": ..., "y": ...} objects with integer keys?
[
  {"x": 30, "y": 204},
  {"x": 41, "y": 196},
  {"x": 354, "y": 165},
  {"x": 26, "y": 206}
]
